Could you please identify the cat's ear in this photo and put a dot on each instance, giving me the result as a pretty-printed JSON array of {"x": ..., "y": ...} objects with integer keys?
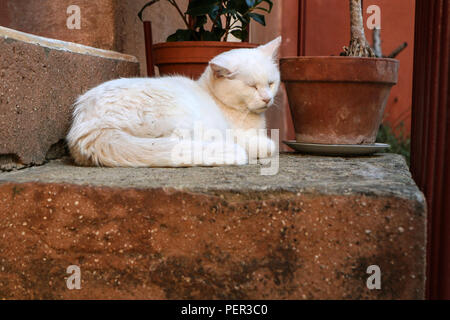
[
  {"x": 272, "y": 48},
  {"x": 220, "y": 69}
]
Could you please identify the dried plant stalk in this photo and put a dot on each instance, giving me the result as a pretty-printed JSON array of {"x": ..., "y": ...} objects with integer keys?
[
  {"x": 359, "y": 47},
  {"x": 377, "y": 43}
]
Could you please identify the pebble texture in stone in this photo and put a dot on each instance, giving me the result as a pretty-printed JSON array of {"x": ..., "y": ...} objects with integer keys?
[{"x": 309, "y": 232}]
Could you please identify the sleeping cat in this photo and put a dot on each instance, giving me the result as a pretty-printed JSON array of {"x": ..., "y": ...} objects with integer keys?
[{"x": 140, "y": 122}]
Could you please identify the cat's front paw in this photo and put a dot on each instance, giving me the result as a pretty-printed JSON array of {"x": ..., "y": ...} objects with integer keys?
[
  {"x": 260, "y": 147},
  {"x": 235, "y": 154},
  {"x": 221, "y": 153}
]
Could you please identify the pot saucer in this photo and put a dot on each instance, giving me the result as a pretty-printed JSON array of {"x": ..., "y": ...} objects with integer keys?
[{"x": 337, "y": 149}]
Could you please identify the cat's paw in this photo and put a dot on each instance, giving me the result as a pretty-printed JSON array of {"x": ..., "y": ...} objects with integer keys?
[
  {"x": 260, "y": 147},
  {"x": 240, "y": 155},
  {"x": 221, "y": 153},
  {"x": 200, "y": 153},
  {"x": 231, "y": 154}
]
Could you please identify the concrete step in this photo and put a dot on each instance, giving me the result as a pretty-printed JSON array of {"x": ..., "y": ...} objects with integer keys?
[
  {"x": 40, "y": 79},
  {"x": 309, "y": 232}
]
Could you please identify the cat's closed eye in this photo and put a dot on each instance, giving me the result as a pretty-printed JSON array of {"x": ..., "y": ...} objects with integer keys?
[{"x": 255, "y": 86}]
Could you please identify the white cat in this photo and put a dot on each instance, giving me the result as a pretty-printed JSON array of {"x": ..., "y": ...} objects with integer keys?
[{"x": 139, "y": 122}]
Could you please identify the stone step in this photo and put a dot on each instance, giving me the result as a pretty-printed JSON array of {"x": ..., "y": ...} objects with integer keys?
[
  {"x": 40, "y": 79},
  {"x": 309, "y": 232}
]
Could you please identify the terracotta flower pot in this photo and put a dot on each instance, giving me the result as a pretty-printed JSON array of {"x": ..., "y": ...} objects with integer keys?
[
  {"x": 190, "y": 58},
  {"x": 338, "y": 100}
]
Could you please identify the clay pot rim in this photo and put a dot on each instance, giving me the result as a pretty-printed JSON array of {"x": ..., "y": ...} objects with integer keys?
[
  {"x": 193, "y": 52},
  {"x": 290, "y": 58},
  {"x": 339, "y": 69},
  {"x": 187, "y": 44}
]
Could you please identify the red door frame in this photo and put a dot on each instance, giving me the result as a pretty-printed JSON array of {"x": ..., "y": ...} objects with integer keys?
[
  {"x": 430, "y": 145},
  {"x": 301, "y": 45}
]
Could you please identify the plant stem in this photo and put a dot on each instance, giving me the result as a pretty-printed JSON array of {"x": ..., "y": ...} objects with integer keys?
[
  {"x": 377, "y": 43},
  {"x": 398, "y": 50},
  {"x": 217, "y": 17},
  {"x": 359, "y": 46},
  {"x": 215, "y": 21},
  {"x": 227, "y": 27},
  {"x": 357, "y": 25},
  {"x": 183, "y": 16}
]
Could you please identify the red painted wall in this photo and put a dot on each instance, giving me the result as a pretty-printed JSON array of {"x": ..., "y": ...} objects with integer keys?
[
  {"x": 4, "y": 16},
  {"x": 328, "y": 30}
]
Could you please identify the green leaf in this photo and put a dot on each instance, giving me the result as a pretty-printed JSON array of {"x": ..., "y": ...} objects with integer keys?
[
  {"x": 181, "y": 35},
  {"x": 236, "y": 6},
  {"x": 148, "y": 4},
  {"x": 219, "y": 32},
  {"x": 214, "y": 17},
  {"x": 200, "y": 21},
  {"x": 258, "y": 18},
  {"x": 238, "y": 34},
  {"x": 209, "y": 36},
  {"x": 202, "y": 7},
  {"x": 215, "y": 35},
  {"x": 243, "y": 19},
  {"x": 216, "y": 11},
  {"x": 263, "y": 9},
  {"x": 258, "y": 2},
  {"x": 266, "y": 1}
]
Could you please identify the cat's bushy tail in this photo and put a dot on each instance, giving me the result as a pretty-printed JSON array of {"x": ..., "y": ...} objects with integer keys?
[{"x": 117, "y": 148}]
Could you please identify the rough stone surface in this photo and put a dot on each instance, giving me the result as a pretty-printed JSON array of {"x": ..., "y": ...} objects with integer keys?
[
  {"x": 309, "y": 232},
  {"x": 39, "y": 81}
]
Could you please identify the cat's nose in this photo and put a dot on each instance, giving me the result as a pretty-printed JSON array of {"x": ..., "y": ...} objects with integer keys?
[{"x": 266, "y": 100}]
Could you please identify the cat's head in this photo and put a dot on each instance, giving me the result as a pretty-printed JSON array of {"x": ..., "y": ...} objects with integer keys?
[{"x": 246, "y": 79}]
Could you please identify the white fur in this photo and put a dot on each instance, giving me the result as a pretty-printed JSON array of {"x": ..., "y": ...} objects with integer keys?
[{"x": 134, "y": 122}]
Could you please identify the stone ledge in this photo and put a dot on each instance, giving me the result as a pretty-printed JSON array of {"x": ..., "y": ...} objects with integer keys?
[
  {"x": 381, "y": 175},
  {"x": 40, "y": 79},
  {"x": 11, "y": 35},
  {"x": 309, "y": 232}
]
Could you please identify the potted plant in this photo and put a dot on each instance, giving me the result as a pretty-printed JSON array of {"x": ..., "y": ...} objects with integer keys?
[
  {"x": 208, "y": 23},
  {"x": 340, "y": 100}
]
